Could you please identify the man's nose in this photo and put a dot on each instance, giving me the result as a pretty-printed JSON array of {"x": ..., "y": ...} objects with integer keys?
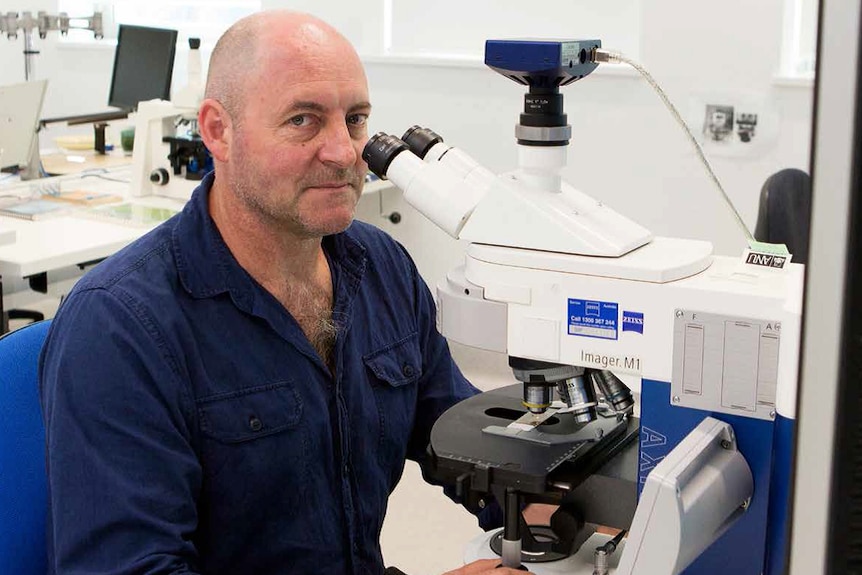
[{"x": 339, "y": 149}]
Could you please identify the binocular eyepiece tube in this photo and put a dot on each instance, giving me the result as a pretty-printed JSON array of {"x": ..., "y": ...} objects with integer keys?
[{"x": 446, "y": 192}]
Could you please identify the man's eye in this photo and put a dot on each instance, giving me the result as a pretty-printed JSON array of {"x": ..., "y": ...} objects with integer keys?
[
  {"x": 300, "y": 120},
  {"x": 357, "y": 119}
]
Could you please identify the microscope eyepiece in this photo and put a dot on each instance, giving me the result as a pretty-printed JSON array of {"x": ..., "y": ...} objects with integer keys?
[
  {"x": 379, "y": 152},
  {"x": 421, "y": 140}
]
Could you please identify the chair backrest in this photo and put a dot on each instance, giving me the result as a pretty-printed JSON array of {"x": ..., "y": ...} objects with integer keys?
[
  {"x": 784, "y": 215},
  {"x": 23, "y": 495}
]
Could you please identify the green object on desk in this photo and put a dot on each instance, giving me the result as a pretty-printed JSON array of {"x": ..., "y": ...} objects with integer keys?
[{"x": 127, "y": 139}]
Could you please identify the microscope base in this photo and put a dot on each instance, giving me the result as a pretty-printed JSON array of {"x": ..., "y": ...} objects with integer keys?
[{"x": 580, "y": 563}]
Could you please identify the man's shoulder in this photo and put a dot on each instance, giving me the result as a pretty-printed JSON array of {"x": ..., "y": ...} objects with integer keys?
[
  {"x": 376, "y": 242},
  {"x": 379, "y": 248},
  {"x": 149, "y": 256},
  {"x": 369, "y": 235}
]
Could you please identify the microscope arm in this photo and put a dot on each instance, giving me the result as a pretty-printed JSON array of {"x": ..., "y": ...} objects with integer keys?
[{"x": 690, "y": 499}]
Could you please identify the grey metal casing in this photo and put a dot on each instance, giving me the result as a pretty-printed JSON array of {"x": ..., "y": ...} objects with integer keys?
[{"x": 689, "y": 500}]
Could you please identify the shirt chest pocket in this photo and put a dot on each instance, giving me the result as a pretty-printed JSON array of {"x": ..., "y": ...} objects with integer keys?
[
  {"x": 254, "y": 436},
  {"x": 395, "y": 371}
]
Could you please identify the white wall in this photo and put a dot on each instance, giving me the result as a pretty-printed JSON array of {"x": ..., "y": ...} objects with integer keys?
[{"x": 626, "y": 150}]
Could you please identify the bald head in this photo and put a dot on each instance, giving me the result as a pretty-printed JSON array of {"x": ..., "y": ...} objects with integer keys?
[{"x": 243, "y": 51}]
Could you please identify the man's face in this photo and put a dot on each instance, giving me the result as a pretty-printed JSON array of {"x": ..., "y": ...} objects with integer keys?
[{"x": 296, "y": 153}]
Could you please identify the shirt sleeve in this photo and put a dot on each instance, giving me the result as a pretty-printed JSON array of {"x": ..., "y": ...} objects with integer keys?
[
  {"x": 123, "y": 477},
  {"x": 441, "y": 386}
]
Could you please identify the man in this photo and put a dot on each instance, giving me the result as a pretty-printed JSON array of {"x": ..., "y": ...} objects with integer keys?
[{"x": 237, "y": 391}]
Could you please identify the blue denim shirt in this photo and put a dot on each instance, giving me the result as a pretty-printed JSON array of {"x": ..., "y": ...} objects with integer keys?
[{"x": 192, "y": 428}]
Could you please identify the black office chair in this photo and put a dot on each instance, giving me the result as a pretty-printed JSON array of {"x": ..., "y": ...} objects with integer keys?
[
  {"x": 13, "y": 314},
  {"x": 784, "y": 216}
]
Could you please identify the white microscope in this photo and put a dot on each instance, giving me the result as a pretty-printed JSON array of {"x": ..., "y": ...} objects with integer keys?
[
  {"x": 582, "y": 299},
  {"x": 169, "y": 157}
]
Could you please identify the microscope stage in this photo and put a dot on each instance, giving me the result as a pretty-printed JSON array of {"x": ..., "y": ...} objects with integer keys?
[{"x": 469, "y": 440}]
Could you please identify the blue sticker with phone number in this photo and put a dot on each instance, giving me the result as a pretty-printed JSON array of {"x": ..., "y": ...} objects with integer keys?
[{"x": 590, "y": 318}]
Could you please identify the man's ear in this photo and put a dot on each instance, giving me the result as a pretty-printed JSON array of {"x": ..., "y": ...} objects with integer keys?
[{"x": 216, "y": 129}]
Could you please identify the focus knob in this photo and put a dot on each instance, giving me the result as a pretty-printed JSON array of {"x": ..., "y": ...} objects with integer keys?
[{"x": 159, "y": 176}]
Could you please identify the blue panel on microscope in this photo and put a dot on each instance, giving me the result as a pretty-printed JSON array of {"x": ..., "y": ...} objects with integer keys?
[
  {"x": 590, "y": 318},
  {"x": 741, "y": 550}
]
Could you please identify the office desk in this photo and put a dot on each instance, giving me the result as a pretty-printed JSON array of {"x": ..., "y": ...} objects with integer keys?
[
  {"x": 75, "y": 162},
  {"x": 73, "y": 238},
  {"x": 7, "y": 235},
  {"x": 61, "y": 241}
]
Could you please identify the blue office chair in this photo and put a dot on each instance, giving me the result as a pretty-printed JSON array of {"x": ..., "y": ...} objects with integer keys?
[{"x": 23, "y": 489}]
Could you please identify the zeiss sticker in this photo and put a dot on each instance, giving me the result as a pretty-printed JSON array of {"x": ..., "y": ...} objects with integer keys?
[
  {"x": 590, "y": 318},
  {"x": 633, "y": 321}
]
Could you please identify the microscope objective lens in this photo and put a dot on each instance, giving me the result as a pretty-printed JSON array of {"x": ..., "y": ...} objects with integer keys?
[{"x": 537, "y": 398}]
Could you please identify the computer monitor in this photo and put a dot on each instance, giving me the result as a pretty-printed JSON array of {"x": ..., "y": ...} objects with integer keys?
[
  {"x": 143, "y": 65},
  {"x": 20, "y": 108}
]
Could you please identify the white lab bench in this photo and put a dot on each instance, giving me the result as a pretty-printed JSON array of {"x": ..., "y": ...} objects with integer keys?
[
  {"x": 7, "y": 235},
  {"x": 73, "y": 238}
]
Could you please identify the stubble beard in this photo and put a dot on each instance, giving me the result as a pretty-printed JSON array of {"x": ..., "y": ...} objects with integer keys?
[{"x": 255, "y": 193}]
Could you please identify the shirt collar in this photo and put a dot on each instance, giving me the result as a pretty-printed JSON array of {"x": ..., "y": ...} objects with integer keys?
[{"x": 207, "y": 268}]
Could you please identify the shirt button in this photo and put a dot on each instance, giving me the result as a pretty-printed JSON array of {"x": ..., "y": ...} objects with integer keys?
[
  {"x": 254, "y": 423},
  {"x": 407, "y": 370}
]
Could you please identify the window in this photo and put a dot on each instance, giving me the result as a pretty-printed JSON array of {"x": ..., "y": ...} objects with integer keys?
[
  {"x": 204, "y": 19},
  {"x": 800, "y": 38}
]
